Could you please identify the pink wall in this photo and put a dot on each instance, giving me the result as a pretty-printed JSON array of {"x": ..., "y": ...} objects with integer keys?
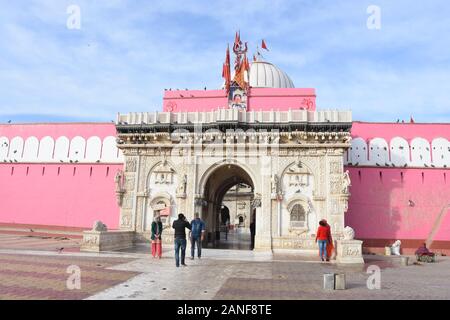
[
  {"x": 55, "y": 130},
  {"x": 379, "y": 205},
  {"x": 75, "y": 197},
  {"x": 258, "y": 99},
  {"x": 409, "y": 131}
]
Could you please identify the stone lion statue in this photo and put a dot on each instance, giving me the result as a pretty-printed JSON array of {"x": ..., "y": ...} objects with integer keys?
[
  {"x": 99, "y": 226},
  {"x": 349, "y": 233}
]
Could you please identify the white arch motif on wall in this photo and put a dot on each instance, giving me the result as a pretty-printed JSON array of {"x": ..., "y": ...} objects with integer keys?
[
  {"x": 93, "y": 149},
  {"x": 46, "y": 146},
  {"x": 61, "y": 149},
  {"x": 16, "y": 149},
  {"x": 157, "y": 165},
  {"x": 420, "y": 152},
  {"x": 109, "y": 150},
  {"x": 4, "y": 148},
  {"x": 285, "y": 184},
  {"x": 378, "y": 152},
  {"x": 440, "y": 150},
  {"x": 358, "y": 151},
  {"x": 77, "y": 149},
  {"x": 399, "y": 149},
  {"x": 30, "y": 149}
]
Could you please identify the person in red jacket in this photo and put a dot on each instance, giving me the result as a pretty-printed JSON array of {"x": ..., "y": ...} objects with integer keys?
[
  {"x": 323, "y": 237},
  {"x": 330, "y": 246}
]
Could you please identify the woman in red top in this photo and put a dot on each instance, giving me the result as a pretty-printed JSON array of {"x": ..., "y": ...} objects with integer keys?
[
  {"x": 330, "y": 246},
  {"x": 323, "y": 237}
]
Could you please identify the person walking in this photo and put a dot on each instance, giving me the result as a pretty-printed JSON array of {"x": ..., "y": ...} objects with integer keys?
[
  {"x": 197, "y": 235},
  {"x": 330, "y": 246},
  {"x": 227, "y": 228},
  {"x": 322, "y": 237},
  {"x": 180, "y": 226},
  {"x": 157, "y": 229}
]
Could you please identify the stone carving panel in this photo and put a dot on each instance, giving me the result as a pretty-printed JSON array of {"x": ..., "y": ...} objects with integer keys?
[{"x": 130, "y": 165}]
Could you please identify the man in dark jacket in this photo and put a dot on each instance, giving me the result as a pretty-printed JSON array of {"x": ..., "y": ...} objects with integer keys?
[{"x": 180, "y": 226}]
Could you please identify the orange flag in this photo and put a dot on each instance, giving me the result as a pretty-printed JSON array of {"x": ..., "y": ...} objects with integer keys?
[{"x": 226, "y": 74}]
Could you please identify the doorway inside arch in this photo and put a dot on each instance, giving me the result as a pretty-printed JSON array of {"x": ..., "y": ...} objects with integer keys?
[{"x": 229, "y": 216}]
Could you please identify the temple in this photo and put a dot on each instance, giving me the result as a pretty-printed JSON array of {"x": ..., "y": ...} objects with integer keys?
[{"x": 258, "y": 150}]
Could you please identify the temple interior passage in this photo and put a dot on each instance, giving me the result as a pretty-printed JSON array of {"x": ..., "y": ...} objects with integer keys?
[{"x": 229, "y": 216}]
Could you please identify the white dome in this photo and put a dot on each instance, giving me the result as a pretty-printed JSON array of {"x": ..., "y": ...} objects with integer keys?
[{"x": 266, "y": 75}]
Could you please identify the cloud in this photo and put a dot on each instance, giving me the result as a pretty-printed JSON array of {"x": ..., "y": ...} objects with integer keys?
[{"x": 127, "y": 52}]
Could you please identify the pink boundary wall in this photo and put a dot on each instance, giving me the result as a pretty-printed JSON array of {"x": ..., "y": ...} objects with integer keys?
[
  {"x": 379, "y": 204},
  {"x": 36, "y": 193},
  {"x": 75, "y": 197},
  {"x": 378, "y": 207},
  {"x": 55, "y": 130},
  {"x": 408, "y": 131}
]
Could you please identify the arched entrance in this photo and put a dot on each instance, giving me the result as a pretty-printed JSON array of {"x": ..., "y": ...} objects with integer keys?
[{"x": 222, "y": 220}]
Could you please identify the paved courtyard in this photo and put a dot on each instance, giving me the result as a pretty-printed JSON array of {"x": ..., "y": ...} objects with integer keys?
[{"x": 36, "y": 273}]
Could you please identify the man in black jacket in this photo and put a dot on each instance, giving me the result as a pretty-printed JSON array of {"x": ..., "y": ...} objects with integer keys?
[{"x": 180, "y": 226}]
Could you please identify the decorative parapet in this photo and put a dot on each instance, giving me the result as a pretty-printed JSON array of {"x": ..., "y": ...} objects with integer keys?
[{"x": 234, "y": 115}]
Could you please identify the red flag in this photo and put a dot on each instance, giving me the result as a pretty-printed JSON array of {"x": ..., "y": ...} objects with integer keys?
[
  {"x": 226, "y": 74},
  {"x": 263, "y": 45},
  {"x": 247, "y": 64}
]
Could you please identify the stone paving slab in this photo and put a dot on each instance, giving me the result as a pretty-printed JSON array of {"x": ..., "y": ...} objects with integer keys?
[
  {"x": 220, "y": 274},
  {"x": 38, "y": 242},
  {"x": 25, "y": 276}
]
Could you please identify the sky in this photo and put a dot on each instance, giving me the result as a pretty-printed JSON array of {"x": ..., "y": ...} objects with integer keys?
[{"x": 127, "y": 51}]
